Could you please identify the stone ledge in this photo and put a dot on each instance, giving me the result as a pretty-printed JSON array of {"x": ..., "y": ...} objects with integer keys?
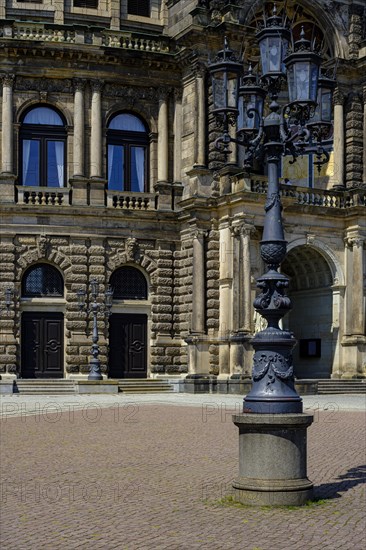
[{"x": 96, "y": 386}]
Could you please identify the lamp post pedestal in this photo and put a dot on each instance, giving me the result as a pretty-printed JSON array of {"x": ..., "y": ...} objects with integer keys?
[{"x": 272, "y": 460}]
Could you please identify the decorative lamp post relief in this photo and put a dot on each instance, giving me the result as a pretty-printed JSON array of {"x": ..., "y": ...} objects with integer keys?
[{"x": 95, "y": 308}]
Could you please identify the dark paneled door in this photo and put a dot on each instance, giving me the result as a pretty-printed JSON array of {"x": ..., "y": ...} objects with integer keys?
[
  {"x": 42, "y": 345},
  {"x": 127, "y": 346}
]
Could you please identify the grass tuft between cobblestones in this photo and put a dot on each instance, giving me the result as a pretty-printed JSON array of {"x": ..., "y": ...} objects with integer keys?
[{"x": 230, "y": 501}]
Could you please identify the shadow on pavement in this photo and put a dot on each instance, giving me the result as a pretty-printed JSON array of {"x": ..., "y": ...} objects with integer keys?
[{"x": 353, "y": 477}]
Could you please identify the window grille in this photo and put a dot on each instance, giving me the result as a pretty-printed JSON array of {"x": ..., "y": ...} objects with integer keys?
[
  {"x": 42, "y": 280},
  {"x": 129, "y": 283},
  {"x": 139, "y": 7}
]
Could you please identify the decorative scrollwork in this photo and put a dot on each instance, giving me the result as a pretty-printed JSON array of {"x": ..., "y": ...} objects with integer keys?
[{"x": 272, "y": 364}]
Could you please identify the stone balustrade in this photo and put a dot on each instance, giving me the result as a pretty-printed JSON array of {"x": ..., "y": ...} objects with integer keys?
[
  {"x": 130, "y": 201},
  {"x": 68, "y": 35},
  {"x": 44, "y": 196},
  {"x": 315, "y": 197}
]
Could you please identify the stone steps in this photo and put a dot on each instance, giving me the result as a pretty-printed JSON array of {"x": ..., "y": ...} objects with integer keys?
[
  {"x": 341, "y": 386},
  {"x": 144, "y": 385},
  {"x": 49, "y": 386}
]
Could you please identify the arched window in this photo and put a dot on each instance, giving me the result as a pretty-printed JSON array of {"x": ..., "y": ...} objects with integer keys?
[
  {"x": 42, "y": 148},
  {"x": 128, "y": 283},
  {"x": 42, "y": 280},
  {"x": 127, "y": 151},
  {"x": 139, "y": 7}
]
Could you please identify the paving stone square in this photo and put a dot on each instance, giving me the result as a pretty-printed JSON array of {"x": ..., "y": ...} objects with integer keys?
[{"x": 136, "y": 474}]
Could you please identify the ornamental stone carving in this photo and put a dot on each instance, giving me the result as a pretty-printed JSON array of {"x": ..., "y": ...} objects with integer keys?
[
  {"x": 131, "y": 249},
  {"x": 131, "y": 93},
  {"x": 8, "y": 79},
  {"x": 43, "y": 85}
]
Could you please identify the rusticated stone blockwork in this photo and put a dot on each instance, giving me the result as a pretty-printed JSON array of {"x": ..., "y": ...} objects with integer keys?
[{"x": 148, "y": 190}]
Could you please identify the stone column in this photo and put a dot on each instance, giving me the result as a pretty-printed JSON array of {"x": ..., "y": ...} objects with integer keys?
[
  {"x": 247, "y": 286},
  {"x": 200, "y": 160},
  {"x": 79, "y": 130},
  {"x": 198, "y": 280},
  {"x": 364, "y": 136},
  {"x": 354, "y": 340},
  {"x": 177, "y": 136},
  {"x": 7, "y": 125},
  {"x": 339, "y": 140},
  {"x": 358, "y": 313},
  {"x": 96, "y": 130},
  {"x": 226, "y": 296},
  {"x": 163, "y": 137}
]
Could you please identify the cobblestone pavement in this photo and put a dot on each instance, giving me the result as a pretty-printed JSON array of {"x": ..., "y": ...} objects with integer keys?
[{"x": 138, "y": 473}]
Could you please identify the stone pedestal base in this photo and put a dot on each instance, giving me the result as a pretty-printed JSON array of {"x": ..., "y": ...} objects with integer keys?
[{"x": 272, "y": 460}]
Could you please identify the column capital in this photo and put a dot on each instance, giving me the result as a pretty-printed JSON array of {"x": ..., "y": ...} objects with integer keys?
[
  {"x": 178, "y": 94},
  {"x": 242, "y": 229},
  {"x": 199, "y": 69},
  {"x": 96, "y": 85},
  {"x": 198, "y": 233},
  {"x": 79, "y": 84},
  {"x": 8, "y": 79},
  {"x": 354, "y": 241},
  {"x": 338, "y": 97},
  {"x": 163, "y": 93}
]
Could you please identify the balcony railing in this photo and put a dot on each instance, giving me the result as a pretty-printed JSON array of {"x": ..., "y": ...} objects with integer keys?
[
  {"x": 44, "y": 196},
  {"x": 315, "y": 197},
  {"x": 132, "y": 201},
  {"x": 42, "y": 32}
]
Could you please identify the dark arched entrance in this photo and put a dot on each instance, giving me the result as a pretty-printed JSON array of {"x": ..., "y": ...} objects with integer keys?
[
  {"x": 311, "y": 319},
  {"x": 128, "y": 330},
  {"x": 42, "y": 332}
]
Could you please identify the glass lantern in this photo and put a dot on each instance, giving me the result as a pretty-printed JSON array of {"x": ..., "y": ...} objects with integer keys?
[
  {"x": 323, "y": 111},
  {"x": 225, "y": 73},
  {"x": 302, "y": 72},
  {"x": 251, "y": 104},
  {"x": 273, "y": 42}
]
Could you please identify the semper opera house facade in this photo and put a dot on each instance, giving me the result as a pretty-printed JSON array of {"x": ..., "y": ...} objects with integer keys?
[{"x": 109, "y": 172}]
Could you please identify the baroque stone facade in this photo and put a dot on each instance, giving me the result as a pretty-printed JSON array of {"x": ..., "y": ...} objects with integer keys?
[{"x": 191, "y": 225}]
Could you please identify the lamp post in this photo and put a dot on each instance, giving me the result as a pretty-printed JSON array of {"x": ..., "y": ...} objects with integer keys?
[
  {"x": 272, "y": 428},
  {"x": 8, "y": 294},
  {"x": 293, "y": 130},
  {"x": 95, "y": 308}
]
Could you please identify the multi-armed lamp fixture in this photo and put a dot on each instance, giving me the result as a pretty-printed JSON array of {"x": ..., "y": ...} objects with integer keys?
[{"x": 297, "y": 128}]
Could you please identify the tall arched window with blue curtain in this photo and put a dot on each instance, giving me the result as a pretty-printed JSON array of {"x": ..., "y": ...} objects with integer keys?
[
  {"x": 42, "y": 150},
  {"x": 127, "y": 153}
]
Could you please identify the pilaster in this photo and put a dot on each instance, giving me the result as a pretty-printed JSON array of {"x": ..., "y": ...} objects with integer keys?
[{"x": 339, "y": 140}]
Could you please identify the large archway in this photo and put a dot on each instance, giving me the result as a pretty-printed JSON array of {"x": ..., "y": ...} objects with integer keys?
[{"x": 311, "y": 319}]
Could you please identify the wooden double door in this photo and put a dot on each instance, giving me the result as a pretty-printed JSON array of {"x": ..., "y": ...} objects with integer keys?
[
  {"x": 127, "y": 346},
  {"x": 42, "y": 345}
]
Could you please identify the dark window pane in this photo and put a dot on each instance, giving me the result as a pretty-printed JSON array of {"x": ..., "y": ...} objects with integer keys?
[
  {"x": 55, "y": 163},
  {"x": 42, "y": 280},
  {"x": 43, "y": 115},
  {"x": 91, "y": 4},
  {"x": 129, "y": 284},
  {"x": 116, "y": 167},
  {"x": 31, "y": 162},
  {"x": 138, "y": 169},
  {"x": 139, "y": 7}
]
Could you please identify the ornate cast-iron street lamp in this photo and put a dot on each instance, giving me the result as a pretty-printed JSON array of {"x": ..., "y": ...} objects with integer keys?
[
  {"x": 95, "y": 308},
  {"x": 289, "y": 130}
]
